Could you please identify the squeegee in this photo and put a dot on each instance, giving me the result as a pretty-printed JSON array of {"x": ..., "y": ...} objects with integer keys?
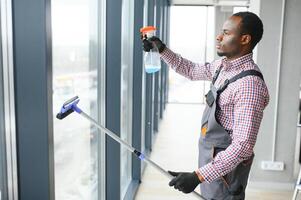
[{"x": 71, "y": 105}]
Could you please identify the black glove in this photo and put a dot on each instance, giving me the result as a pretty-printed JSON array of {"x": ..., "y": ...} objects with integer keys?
[
  {"x": 148, "y": 44},
  {"x": 184, "y": 181}
]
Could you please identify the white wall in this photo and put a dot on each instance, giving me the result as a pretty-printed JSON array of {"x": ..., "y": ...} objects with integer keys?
[{"x": 290, "y": 76}]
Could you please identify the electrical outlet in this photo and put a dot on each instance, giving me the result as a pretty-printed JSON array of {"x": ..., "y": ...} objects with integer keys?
[{"x": 270, "y": 165}]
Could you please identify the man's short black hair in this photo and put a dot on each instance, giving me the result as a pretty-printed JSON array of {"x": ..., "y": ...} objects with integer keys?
[{"x": 251, "y": 24}]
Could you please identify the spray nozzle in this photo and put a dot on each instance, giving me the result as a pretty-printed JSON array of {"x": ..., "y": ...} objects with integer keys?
[{"x": 147, "y": 32}]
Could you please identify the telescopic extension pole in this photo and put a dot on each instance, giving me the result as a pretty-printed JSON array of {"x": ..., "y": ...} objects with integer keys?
[{"x": 71, "y": 105}]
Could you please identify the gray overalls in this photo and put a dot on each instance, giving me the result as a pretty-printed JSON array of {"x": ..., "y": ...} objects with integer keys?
[{"x": 214, "y": 138}]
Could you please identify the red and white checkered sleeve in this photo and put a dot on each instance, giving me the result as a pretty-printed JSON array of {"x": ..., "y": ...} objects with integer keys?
[
  {"x": 250, "y": 99},
  {"x": 189, "y": 69}
]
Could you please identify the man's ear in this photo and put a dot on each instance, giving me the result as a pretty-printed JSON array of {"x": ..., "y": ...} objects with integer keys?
[{"x": 245, "y": 39}]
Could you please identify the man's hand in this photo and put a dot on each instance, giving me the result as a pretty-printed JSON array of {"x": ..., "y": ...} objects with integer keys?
[
  {"x": 148, "y": 44},
  {"x": 184, "y": 181}
]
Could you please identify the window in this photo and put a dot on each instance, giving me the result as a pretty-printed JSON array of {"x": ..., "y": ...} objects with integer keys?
[
  {"x": 192, "y": 35},
  {"x": 145, "y": 23},
  {"x": 240, "y": 9},
  {"x": 3, "y": 182},
  {"x": 77, "y": 71},
  {"x": 126, "y": 92},
  {"x": 8, "y": 158}
]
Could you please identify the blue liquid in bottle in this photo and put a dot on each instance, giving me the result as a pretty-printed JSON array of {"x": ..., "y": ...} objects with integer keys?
[
  {"x": 151, "y": 68},
  {"x": 152, "y": 61}
]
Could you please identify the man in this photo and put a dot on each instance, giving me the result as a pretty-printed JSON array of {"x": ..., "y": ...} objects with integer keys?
[{"x": 233, "y": 112}]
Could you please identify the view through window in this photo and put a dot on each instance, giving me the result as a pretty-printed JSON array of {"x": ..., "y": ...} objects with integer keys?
[
  {"x": 126, "y": 93},
  {"x": 75, "y": 72},
  {"x": 3, "y": 189},
  {"x": 192, "y": 36}
]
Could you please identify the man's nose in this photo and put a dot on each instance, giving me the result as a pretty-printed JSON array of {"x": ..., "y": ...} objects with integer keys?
[{"x": 219, "y": 37}]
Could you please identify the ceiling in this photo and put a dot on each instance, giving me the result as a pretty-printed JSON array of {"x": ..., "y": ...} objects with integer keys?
[{"x": 211, "y": 2}]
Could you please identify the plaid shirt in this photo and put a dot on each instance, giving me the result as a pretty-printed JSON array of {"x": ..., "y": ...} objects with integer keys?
[{"x": 241, "y": 107}]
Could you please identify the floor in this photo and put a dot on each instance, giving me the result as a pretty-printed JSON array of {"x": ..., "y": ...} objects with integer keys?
[{"x": 175, "y": 148}]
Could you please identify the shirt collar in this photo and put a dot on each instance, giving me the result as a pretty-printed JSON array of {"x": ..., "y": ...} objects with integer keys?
[{"x": 227, "y": 65}]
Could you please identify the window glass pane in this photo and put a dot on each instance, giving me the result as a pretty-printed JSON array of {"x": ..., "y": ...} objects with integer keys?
[
  {"x": 75, "y": 72},
  {"x": 145, "y": 15},
  {"x": 126, "y": 91},
  {"x": 3, "y": 178},
  {"x": 8, "y": 160},
  {"x": 192, "y": 36},
  {"x": 240, "y": 9},
  {"x": 210, "y": 38}
]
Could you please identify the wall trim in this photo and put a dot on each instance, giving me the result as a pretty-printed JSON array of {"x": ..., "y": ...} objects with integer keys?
[{"x": 265, "y": 185}]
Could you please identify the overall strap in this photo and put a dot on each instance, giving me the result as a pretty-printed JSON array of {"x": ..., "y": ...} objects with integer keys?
[
  {"x": 216, "y": 75},
  {"x": 239, "y": 76}
]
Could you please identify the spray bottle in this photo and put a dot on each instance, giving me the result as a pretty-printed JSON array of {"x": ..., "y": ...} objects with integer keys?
[{"x": 152, "y": 62}]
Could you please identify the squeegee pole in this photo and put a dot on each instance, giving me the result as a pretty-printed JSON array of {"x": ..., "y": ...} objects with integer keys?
[
  {"x": 126, "y": 145},
  {"x": 131, "y": 149},
  {"x": 108, "y": 132}
]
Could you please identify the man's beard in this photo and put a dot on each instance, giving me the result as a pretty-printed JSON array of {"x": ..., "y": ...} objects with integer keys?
[{"x": 220, "y": 54}]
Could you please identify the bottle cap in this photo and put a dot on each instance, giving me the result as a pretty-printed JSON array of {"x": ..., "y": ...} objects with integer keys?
[{"x": 147, "y": 29}]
